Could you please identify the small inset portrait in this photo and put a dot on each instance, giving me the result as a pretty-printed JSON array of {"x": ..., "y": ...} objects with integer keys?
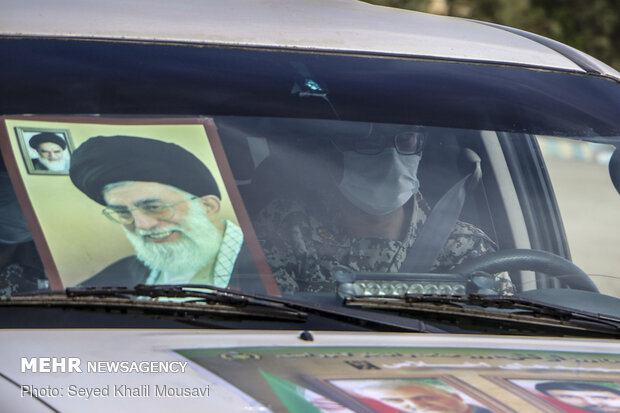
[
  {"x": 417, "y": 395},
  {"x": 575, "y": 395},
  {"x": 46, "y": 151},
  {"x": 568, "y": 396}
]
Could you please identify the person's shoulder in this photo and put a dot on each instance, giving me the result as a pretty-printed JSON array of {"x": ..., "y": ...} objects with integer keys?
[
  {"x": 284, "y": 206},
  {"x": 281, "y": 211},
  {"x": 467, "y": 229},
  {"x": 466, "y": 234},
  {"x": 125, "y": 272}
]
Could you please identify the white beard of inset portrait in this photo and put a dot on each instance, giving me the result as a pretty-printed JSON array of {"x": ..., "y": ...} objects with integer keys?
[
  {"x": 60, "y": 165},
  {"x": 181, "y": 259}
]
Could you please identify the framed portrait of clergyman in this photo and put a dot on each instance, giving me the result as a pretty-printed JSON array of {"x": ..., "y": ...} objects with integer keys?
[
  {"x": 45, "y": 151},
  {"x": 172, "y": 172}
]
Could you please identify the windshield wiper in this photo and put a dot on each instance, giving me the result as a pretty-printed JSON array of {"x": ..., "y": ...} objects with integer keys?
[
  {"x": 200, "y": 298},
  {"x": 181, "y": 299},
  {"x": 350, "y": 316},
  {"x": 507, "y": 314}
]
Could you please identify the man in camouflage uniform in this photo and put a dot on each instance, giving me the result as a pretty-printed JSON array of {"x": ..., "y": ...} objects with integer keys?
[
  {"x": 303, "y": 245},
  {"x": 304, "y": 241}
]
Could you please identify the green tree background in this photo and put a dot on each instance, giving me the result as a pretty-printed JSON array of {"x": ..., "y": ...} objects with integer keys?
[{"x": 592, "y": 26}]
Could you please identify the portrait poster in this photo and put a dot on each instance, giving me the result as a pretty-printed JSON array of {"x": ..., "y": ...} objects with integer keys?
[
  {"x": 375, "y": 379},
  {"x": 577, "y": 394},
  {"x": 75, "y": 235},
  {"x": 45, "y": 151}
]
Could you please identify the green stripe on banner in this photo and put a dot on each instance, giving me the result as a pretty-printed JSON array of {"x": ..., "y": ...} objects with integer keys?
[{"x": 290, "y": 394}]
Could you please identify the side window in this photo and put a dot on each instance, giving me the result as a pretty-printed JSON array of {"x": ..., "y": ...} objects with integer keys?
[{"x": 589, "y": 206}]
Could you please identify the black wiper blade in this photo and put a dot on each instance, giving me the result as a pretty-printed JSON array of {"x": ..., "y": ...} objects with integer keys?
[
  {"x": 508, "y": 302},
  {"x": 511, "y": 309},
  {"x": 208, "y": 294},
  {"x": 232, "y": 297},
  {"x": 184, "y": 299}
]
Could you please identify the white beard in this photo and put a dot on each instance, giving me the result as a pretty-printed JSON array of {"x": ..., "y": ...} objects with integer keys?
[
  {"x": 181, "y": 259},
  {"x": 56, "y": 166}
]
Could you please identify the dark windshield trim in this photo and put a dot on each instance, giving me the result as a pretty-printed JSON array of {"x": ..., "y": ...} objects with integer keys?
[
  {"x": 129, "y": 78},
  {"x": 319, "y": 51}
]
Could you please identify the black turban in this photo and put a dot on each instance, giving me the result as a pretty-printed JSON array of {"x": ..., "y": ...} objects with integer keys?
[
  {"x": 37, "y": 140},
  {"x": 103, "y": 160}
]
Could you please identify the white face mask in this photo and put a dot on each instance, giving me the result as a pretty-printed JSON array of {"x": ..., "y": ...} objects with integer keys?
[{"x": 379, "y": 184}]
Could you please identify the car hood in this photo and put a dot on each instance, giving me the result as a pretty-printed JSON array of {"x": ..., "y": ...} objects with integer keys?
[{"x": 252, "y": 370}]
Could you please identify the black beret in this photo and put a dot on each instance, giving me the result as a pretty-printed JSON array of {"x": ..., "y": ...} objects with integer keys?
[
  {"x": 37, "y": 140},
  {"x": 103, "y": 160}
]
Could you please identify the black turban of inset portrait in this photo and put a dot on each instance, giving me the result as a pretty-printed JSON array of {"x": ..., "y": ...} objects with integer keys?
[
  {"x": 37, "y": 140},
  {"x": 103, "y": 160}
]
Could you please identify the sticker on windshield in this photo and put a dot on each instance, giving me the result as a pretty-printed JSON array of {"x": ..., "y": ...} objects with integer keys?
[{"x": 120, "y": 202}]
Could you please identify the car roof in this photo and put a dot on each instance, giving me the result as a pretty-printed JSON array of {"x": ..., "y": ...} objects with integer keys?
[{"x": 328, "y": 25}]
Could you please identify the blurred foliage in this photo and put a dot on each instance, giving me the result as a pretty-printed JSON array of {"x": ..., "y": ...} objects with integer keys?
[{"x": 592, "y": 26}]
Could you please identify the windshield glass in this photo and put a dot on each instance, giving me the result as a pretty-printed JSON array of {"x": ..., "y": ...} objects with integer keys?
[{"x": 315, "y": 177}]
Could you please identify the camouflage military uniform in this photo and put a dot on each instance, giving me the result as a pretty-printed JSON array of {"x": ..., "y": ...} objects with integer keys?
[
  {"x": 24, "y": 273},
  {"x": 302, "y": 244}
]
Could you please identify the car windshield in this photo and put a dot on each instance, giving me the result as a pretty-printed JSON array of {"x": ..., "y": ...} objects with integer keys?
[{"x": 310, "y": 176}]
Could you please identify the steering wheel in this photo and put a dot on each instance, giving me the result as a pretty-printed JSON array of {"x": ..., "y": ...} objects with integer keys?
[{"x": 532, "y": 260}]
